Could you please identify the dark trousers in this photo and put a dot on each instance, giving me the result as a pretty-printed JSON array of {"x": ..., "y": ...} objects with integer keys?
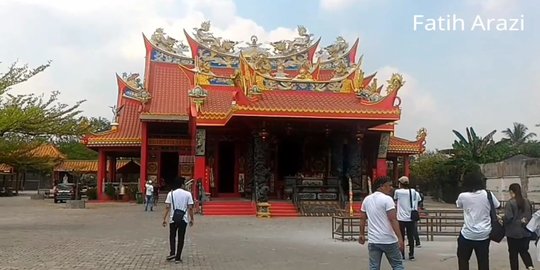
[
  {"x": 416, "y": 236},
  {"x": 408, "y": 226},
  {"x": 465, "y": 248},
  {"x": 521, "y": 247},
  {"x": 181, "y": 229}
]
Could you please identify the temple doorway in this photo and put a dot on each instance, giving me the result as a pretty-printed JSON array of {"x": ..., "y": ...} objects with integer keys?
[
  {"x": 290, "y": 157},
  {"x": 226, "y": 167},
  {"x": 169, "y": 166}
]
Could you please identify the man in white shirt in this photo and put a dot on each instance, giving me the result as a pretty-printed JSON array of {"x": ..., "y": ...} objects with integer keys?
[
  {"x": 149, "y": 196},
  {"x": 383, "y": 228},
  {"x": 407, "y": 200},
  {"x": 178, "y": 199},
  {"x": 477, "y": 221}
]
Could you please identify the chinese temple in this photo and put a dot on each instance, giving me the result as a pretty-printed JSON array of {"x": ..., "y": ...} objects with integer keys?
[{"x": 253, "y": 119}]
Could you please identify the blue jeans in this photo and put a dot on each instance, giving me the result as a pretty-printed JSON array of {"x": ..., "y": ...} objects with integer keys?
[
  {"x": 149, "y": 202},
  {"x": 393, "y": 255}
]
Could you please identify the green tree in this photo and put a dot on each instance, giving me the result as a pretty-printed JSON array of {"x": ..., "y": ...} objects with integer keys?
[
  {"x": 518, "y": 135},
  {"x": 473, "y": 148},
  {"x": 27, "y": 121},
  {"x": 424, "y": 169},
  {"x": 72, "y": 146}
]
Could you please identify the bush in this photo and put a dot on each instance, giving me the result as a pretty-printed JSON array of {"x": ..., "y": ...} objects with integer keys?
[
  {"x": 110, "y": 191},
  {"x": 92, "y": 194}
]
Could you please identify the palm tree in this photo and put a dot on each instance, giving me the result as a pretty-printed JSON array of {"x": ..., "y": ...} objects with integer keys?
[
  {"x": 473, "y": 148},
  {"x": 518, "y": 135}
]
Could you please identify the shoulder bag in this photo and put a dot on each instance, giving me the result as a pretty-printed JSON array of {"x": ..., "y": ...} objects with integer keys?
[
  {"x": 497, "y": 229},
  {"x": 415, "y": 216}
]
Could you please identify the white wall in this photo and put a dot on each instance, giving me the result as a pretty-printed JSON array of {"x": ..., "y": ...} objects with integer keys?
[{"x": 499, "y": 186}]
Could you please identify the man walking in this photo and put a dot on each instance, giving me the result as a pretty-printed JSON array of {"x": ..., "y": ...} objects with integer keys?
[
  {"x": 177, "y": 199},
  {"x": 149, "y": 196},
  {"x": 477, "y": 221},
  {"x": 407, "y": 201},
  {"x": 383, "y": 228}
]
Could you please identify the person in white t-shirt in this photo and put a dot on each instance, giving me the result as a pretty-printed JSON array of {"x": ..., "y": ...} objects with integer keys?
[
  {"x": 383, "y": 229},
  {"x": 149, "y": 196},
  {"x": 476, "y": 228},
  {"x": 177, "y": 198},
  {"x": 405, "y": 197}
]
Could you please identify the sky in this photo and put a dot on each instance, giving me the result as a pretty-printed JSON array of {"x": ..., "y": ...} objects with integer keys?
[{"x": 486, "y": 79}]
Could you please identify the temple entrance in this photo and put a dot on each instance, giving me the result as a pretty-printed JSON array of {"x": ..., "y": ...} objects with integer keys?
[
  {"x": 290, "y": 157},
  {"x": 169, "y": 166},
  {"x": 226, "y": 167}
]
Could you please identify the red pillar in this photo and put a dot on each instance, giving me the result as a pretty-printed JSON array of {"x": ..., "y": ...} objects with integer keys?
[
  {"x": 406, "y": 164},
  {"x": 200, "y": 171},
  {"x": 382, "y": 167},
  {"x": 112, "y": 169},
  {"x": 101, "y": 173},
  {"x": 144, "y": 155}
]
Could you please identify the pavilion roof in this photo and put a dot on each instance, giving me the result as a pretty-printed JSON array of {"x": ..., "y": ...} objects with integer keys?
[
  {"x": 85, "y": 165},
  {"x": 398, "y": 145}
]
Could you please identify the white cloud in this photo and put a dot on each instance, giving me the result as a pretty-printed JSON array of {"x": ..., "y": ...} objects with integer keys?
[
  {"x": 494, "y": 6},
  {"x": 336, "y": 5},
  {"x": 420, "y": 109},
  {"x": 90, "y": 41}
]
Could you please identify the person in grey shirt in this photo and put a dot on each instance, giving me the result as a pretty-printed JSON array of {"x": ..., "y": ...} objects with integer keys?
[{"x": 517, "y": 213}]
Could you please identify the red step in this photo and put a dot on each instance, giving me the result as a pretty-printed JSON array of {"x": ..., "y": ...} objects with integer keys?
[
  {"x": 229, "y": 208},
  {"x": 283, "y": 209}
]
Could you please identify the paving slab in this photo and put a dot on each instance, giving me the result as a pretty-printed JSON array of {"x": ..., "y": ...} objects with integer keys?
[{"x": 38, "y": 234}]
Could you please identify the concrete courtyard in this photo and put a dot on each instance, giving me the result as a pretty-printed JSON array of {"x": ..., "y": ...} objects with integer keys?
[{"x": 37, "y": 234}]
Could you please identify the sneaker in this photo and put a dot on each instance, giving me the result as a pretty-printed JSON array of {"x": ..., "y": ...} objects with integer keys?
[
  {"x": 411, "y": 258},
  {"x": 418, "y": 246},
  {"x": 530, "y": 268},
  {"x": 170, "y": 257},
  {"x": 178, "y": 261}
]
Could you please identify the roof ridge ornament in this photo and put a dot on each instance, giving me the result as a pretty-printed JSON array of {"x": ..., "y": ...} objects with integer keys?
[
  {"x": 198, "y": 95},
  {"x": 334, "y": 51},
  {"x": 372, "y": 93},
  {"x": 206, "y": 37},
  {"x": 167, "y": 43},
  {"x": 135, "y": 89}
]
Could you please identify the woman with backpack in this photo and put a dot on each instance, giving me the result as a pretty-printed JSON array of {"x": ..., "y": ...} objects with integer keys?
[{"x": 517, "y": 214}]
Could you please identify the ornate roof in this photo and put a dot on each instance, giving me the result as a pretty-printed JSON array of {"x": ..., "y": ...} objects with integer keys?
[
  {"x": 211, "y": 79},
  {"x": 401, "y": 146},
  {"x": 85, "y": 165},
  {"x": 224, "y": 102},
  {"x": 46, "y": 151}
]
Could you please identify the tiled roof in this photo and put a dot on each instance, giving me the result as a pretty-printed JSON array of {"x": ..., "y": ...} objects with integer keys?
[
  {"x": 218, "y": 107},
  {"x": 84, "y": 165},
  {"x": 128, "y": 132},
  {"x": 401, "y": 146},
  {"x": 169, "y": 87},
  {"x": 46, "y": 151}
]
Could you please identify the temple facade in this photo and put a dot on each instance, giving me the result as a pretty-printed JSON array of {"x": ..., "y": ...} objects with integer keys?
[{"x": 248, "y": 119}]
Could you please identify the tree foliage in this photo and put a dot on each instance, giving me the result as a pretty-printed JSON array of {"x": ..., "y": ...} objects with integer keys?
[
  {"x": 519, "y": 134},
  {"x": 27, "y": 121},
  {"x": 473, "y": 148}
]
